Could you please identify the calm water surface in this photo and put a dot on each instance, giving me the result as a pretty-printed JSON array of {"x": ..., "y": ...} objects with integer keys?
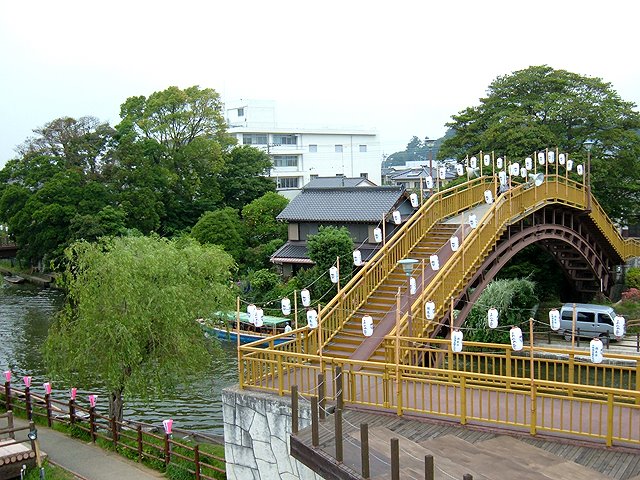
[{"x": 25, "y": 315}]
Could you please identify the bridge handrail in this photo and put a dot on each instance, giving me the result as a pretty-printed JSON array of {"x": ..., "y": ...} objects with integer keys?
[{"x": 626, "y": 248}]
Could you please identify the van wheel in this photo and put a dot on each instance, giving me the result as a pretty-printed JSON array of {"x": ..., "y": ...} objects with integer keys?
[{"x": 567, "y": 336}]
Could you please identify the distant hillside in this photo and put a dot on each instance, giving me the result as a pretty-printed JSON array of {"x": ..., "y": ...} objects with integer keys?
[{"x": 416, "y": 150}]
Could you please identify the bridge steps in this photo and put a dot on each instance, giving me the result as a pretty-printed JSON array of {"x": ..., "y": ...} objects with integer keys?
[{"x": 382, "y": 302}]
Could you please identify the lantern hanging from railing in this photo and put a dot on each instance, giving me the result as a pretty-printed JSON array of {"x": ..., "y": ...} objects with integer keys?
[
  {"x": 541, "y": 158},
  {"x": 618, "y": 326},
  {"x": 285, "y": 305},
  {"x": 473, "y": 162},
  {"x": 7, "y": 375},
  {"x": 377, "y": 235},
  {"x": 334, "y": 275},
  {"x": 561, "y": 158},
  {"x": 492, "y": 317},
  {"x": 357, "y": 258},
  {"x": 305, "y": 296},
  {"x": 580, "y": 169},
  {"x": 523, "y": 172},
  {"x": 312, "y": 318},
  {"x": 473, "y": 220},
  {"x": 499, "y": 163},
  {"x": 551, "y": 156},
  {"x": 569, "y": 165},
  {"x": 442, "y": 173},
  {"x": 488, "y": 197},
  {"x": 554, "y": 319},
  {"x": 515, "y": 336},
  {"x": 397, "y": 218},
  {"x": 259, "y": 317},
  {"x": 502, "y": 175},
  {"x": 434, "y": 261},
  {"x": 455, "y": 243},
  {"x": 430, "y": 310},
  {"x": 487, "y": 160},
  {"x": 93, "y": 399},
  {"x": 428, "y": 182},
  {"x": 413, "y": 287},
  {"x": 168, "y": 426},
  {"x": 595, "y": 350},
  {"x": 47, "y": 388},
  {"x": 27, "y": 381},
  {"x": 367, "y": 325},
  {"x": 251, "y": 311},
  {"x": 528, "y": 163},
  {"x": 515, "y": 169},
  {"x": 459, "y": 169},
  {"x": 413, "y": 198},
  {"x": 456, "y": 341}
]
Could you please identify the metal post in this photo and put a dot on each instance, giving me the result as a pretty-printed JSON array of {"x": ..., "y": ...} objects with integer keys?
[{"x": 364, "y": 449}]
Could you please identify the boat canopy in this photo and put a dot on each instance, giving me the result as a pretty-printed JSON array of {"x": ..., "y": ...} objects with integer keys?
[{"x": 267, "y": 320}]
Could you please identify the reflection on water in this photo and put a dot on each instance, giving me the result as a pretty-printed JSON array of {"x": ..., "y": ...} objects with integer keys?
[{"x": 25, "y": 315}]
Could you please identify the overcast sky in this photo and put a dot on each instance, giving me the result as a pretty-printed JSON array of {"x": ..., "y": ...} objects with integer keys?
[{"x": 400, "y": 67}]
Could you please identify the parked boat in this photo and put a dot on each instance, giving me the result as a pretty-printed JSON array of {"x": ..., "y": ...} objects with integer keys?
[
  {"x": 13, "y": 279},
  {"x": 223, "y": 326}
]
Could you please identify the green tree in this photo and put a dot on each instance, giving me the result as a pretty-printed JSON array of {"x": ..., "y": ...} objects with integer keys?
[
  {"x": 323, "y": 249},
  {"x": 540, "y": 107},
  {"x": 513, "y": 298},
  {"x": 244, "y": 177},
  {"x": 221, "y": 227},
  {"x": 260, "y": 221},
  {"x": 129, "y": 319}
]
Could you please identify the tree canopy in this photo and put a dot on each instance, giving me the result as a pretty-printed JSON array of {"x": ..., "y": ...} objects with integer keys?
[
  {"x": 129, "y": 321},
  {"x": 540, "y": 107}
]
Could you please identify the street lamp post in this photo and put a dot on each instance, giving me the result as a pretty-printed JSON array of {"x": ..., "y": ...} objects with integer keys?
[
  {"x": 588, "y": 145},
  {"x": 430, "y": 144},
  {"x": 407, "y": 266}
]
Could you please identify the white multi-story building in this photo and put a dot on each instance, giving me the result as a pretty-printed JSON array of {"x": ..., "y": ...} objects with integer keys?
[{"x": 301, "y": 154}]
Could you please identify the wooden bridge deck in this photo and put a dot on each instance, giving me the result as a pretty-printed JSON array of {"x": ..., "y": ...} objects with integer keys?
[{"x": 458, "y": 450}]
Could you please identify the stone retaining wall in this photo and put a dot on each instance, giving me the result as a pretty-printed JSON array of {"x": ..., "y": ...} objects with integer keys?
[{"x": 257, "y": 426}]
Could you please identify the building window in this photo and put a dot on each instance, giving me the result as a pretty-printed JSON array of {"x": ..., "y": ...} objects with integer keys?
[
  {"x": 313, "y": 148},
  {"x": 285, "y": 139},
  {"x": 363, "y": 149},
  {"x": 254, "y": 138},
  {"x": 338, "y": 148},
  {"x": 241, "y": 112},
  {"x": 288, "y": 182},
  {"x": 285, "y": 160}
]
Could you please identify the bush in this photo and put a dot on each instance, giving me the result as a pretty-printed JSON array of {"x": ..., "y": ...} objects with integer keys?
[{"x": 632, "y": 279}]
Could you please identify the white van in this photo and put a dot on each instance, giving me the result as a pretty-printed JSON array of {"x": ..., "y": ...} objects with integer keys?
[{"x": 591, "y": 320}]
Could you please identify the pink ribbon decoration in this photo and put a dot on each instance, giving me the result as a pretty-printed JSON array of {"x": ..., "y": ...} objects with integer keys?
[
  {"x": 168, "y": 424},
  {"x": 47, "y": 388},
  {"x": 27, "y": 381},
  {"x": 92, "y": 400}
]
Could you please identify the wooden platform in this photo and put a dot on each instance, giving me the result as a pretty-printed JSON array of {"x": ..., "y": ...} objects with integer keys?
[{"x": 458, "y": 450}]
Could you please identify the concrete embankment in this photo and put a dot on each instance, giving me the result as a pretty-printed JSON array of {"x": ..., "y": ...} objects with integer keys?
[{"x": 42, "y": 279}]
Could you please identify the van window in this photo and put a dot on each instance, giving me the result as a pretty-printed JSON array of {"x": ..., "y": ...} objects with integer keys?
[
  {"x": 587, "y": 317},
  {"x": 605, "y": 318}
]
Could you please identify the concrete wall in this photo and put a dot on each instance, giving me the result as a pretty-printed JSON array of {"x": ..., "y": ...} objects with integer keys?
[{"x": 257, "y": 426}]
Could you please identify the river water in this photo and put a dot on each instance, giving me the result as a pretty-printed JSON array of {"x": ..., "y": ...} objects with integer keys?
[{"x": 25, "y": 315}]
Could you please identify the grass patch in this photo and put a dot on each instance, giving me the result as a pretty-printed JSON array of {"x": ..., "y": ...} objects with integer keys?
[{"x": 51, "y": 473}]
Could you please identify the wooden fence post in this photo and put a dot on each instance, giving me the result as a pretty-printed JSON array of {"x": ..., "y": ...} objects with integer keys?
[
  {"x": 47, "y": 401},
  {"x": 7, "y": 395},
  {"x": 27, "y": 401},
  {"x": 429, "y": 473},
  {"x": 139, "y": 440},
  {"x": 338, "y": 434},
  {"x": 321, "y": 396},
  {"x": 196, "y": 461},
  {"x": 395, "y": 459},
  {"x": 114, "y": 432},
  {"x": 294, "y": 409},
  {"x": 92, "y": 423},
  {"x": 315, "y": 437},
  {"x": 12, "y": 434},
  {"x": 167, "y": 450},
  {"x": 364, "y": 449}
]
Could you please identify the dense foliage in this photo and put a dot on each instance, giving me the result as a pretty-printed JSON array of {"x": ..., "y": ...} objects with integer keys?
[{"x": 632, "y": 277}]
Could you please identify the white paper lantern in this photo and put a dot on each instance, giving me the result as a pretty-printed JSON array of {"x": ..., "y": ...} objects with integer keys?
[
  {"x": 541, "y": 158},
  {"x": 334, "y": 274},
  {"x": 429, "y": 182},
  {"x": 487, "y": 160},
  {"x": 595, "y": 350},
  {"x": 312, "y": 318},
  {"x": 473, "y": 220},
  {"x": 305, "y": 296},
  {"x": 430, "y": 310},
  {"x": 554, "y": 319},
  {"x": 456, "y": 341},
  {"x": 492, "y": 317},
  {"x": 434, "y": 261},
  {"x": 357, "y": 258},
  {"x": 413, "y": 286},
  {"x": 618, "y": 326},
  {"x": 499, "y": 162},
  {"x": 397, "y": 218},
  {"x": 502, "y": 175},
  {"x": 562, "y": 158},
  {"x": 455, "y": 243},
  {"x": 367, "y": 325},
  {"x": 377, "y": 235},
  {"x": 473, "y": 162},
  {"x": 528, "y": 163},
  {"x": 488, "y": 197},
  {"x": 569, "y": 165},
  {"x": 459, "y": 169},
  {"x": 523, "y": 172},
  {"x": 580, "y": 169},
  {"x": 514, "y": 169},
  {"x": 442, "y": 173},
  {"x": 259, "y": 316},
  {"x": 551, "y": 156},
  {"x": 251, "y": 312},
  {"x": 414, "y": 200},
  {"x": 515, "y": 336},
  {"x": 286, "y": 306}
]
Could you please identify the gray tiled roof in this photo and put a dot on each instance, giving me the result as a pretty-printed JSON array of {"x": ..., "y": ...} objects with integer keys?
[
  {"x": 295, "y": 252},
  {"x": 357, "y": 204},
  {"x": 333, "y": 182}
]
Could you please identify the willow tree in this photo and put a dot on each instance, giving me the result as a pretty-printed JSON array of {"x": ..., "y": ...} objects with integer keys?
[{"x": 129, "y": 321}]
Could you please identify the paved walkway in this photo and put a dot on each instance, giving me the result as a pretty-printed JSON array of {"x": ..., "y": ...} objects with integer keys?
[{"x": 86, "y": 460}]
